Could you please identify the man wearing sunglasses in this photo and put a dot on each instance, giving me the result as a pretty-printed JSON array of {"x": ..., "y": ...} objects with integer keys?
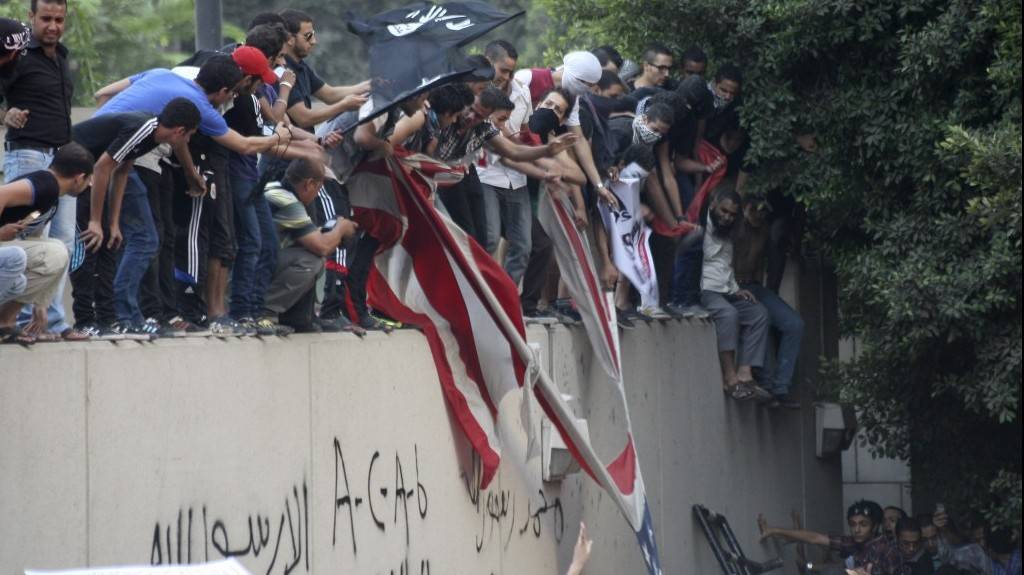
[{"x": 307, "y": 84}]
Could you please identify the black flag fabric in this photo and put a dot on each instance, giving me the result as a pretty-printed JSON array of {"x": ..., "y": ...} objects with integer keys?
[{"x": 416, "y": 48}]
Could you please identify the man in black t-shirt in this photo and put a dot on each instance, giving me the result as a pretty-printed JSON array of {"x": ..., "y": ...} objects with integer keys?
[
  {"x": 27, "y": 204},
  {"x": 116, "y": 140}
]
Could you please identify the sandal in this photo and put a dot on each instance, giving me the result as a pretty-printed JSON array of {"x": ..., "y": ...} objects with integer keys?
[
  {"x": 740, "y": 392},
  {"x": 72, "y": 334},
  {"x": 14, "y": 334},
  {"x": 47, "y": 337}
]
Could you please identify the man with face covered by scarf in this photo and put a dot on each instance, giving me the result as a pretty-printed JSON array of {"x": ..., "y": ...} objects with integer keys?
[{"x": 578, "y": 75}]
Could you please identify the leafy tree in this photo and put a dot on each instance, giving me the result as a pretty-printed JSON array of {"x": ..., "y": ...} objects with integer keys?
[{"x": 914, "y": 192}]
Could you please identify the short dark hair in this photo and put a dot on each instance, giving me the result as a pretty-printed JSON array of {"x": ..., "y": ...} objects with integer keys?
[
  {"x": 218, "y": 73},
  {"x": 660, "y": 112},
  {"x": 695, "y": 54},
  {"x": 267, "y": 38},
  {"x": 653, "y": 49},
  {"x": 609, "y": 79},
  {"x": 727, "y": 193},
  {"x": 500, "y": 49},
  {"x": 478, "y": 62},
  {"x": 729, "y": 72},
  {"x": 494, "y": 99},
  {"x": 294, "y": 19},
  {"x": 179, "y": 113},
  {"x": 908, "y": 524},
  {"x": 869, "y": 509},
  {"x": 566, "y": 95},
  {"x": 640, "y": 154},
  {"x": 303, "y": 168},
  {"x": 72, "y": 159},
  {"x": 450, "y": 98},
  {"x": 266, "y": 18},
  {"x": 34, "y": 6},
  {"x": 607, "y": 54},
  {"x": 900, "y": 510},
  {"x": 675, "y": 102}
]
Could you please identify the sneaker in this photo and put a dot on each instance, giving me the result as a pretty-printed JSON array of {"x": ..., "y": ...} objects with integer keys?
[
  {"x": 163, "y": 329},
  {"x": 265, "y": 327},
  {"x": 542, "y": 317},
  {"x": 696, "y": 312},
  {"x": 224, "y": 326},
  {"x": 392, "y": 323},
  {"x": 90, "y": 329},
  {"x": 180, "y": 324},
  {"x": 672, "y": 310},
  {"x": 253, "y": 327},
  {"x": 622, "y": 318},
  {"x": 370, "y": 323},
  {"x": 566, "y": 309},
  {"x": 270, "y": 327},
  {"x": 655, "y": 312},
  {"x": 108, "y": 333},
  {"x": 133, "y": 331}
]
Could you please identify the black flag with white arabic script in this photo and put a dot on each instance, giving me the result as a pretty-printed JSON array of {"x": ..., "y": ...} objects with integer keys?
[{"x": 416, "y": 48}]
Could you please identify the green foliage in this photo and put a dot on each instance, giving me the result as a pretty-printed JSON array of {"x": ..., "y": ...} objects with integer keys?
[
  {"x": 914, "y": 193},
  {"x": 112, "y": 39}
]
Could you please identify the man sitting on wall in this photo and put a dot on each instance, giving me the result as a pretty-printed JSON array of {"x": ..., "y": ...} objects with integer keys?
[
  {"x": 740, "y": 321},
  {"x": 291, "y": 295}
]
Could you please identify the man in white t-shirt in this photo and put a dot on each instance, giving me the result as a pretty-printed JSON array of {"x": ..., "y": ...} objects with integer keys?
[{"x": 506, "y": 198}]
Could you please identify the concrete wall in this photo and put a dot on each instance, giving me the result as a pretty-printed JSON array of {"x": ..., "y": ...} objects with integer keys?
[
  {"x": 884, "y": 480},
  {"x": 331, "y": 454}
]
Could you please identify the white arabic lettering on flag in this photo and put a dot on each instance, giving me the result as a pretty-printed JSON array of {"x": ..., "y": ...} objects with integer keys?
[{"x": 436, "y": 14}]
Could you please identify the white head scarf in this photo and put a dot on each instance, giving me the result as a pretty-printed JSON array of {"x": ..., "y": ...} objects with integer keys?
[{"x": 579, "y": 67}]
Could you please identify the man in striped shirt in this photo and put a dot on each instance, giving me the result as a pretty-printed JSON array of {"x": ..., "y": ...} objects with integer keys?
[{"x": 116, "y": 140}]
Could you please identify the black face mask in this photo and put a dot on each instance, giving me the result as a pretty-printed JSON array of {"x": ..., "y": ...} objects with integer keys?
[{"x": 543, "y": 122}]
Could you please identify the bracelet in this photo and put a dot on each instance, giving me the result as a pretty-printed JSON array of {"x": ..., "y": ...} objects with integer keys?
[
  {"x": 289, "y": 84},
  {"x": 280, "y": 100}
]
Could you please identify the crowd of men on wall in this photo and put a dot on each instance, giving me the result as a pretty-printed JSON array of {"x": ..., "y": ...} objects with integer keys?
[
  {"x": 210, "y": 199},
  {"x": 890, "y": 542}
]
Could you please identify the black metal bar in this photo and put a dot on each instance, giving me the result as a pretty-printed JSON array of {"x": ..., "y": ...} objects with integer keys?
[{"x": 209, "y": 24}]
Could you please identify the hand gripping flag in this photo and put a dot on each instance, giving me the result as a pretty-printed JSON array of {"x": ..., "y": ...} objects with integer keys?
[
  {"x": 629, "y": 235},
  {"x": 429, "y": 273},
  {"x": 416, "y": 48}
]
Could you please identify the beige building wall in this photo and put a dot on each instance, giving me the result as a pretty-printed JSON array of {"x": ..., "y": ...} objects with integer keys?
[{"x": 330, "y": 454}]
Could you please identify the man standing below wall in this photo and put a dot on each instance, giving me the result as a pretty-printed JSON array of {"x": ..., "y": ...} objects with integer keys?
[{"x": 38, "y": 119}]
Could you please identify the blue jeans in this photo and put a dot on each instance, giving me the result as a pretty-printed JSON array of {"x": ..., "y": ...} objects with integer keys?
[
  {"x": 787, "y": 322},
  {"x": 266, "y": 264},
  {"x": 141, "y": 245},
  {"x": 510, "y": 209},
  {"x": 247, "y": 233},
  {"x": 18, "y": 163},
  {"x": 685, "y": 289}
]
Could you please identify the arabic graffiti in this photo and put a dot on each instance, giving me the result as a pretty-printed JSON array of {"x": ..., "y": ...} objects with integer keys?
[
  {"x": 349, "y": 505},
  {"x": 498, "y": 512},
  {"x": 178, "y": 542}
]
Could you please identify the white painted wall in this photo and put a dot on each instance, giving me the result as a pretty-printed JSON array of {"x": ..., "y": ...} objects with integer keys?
[{"x": 292, "y": 453}]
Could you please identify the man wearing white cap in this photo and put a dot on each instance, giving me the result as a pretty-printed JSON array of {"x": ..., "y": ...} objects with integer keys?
[{"x": 579, "y": 73}]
